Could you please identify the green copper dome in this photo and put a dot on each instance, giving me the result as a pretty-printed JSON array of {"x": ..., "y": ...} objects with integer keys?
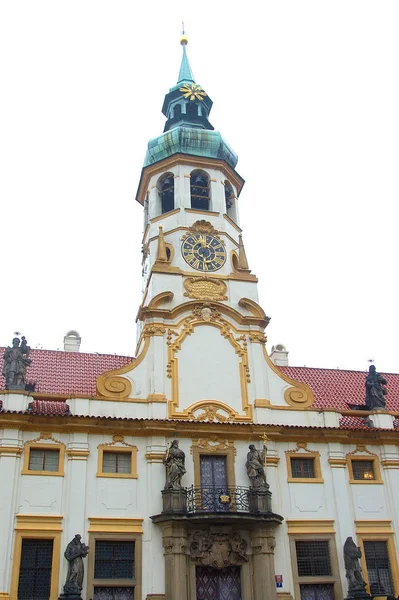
[
  {"x": 187, "y": 129},
  {"x": 188, "y": 140}
]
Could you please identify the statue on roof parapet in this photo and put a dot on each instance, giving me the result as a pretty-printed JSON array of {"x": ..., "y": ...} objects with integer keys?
[
  {"x": 375, "y": 389},
  {"x": 16, "y": 361}
]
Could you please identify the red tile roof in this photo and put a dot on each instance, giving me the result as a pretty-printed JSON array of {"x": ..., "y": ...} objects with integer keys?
[
  {"x": 48, "y": 407},
  {"x": 333, "y": 388},
  {"x": 67, "y": 373}
]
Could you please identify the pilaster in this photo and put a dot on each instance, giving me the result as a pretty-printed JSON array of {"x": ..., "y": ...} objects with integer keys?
[
  {"x": 175, "y": 546},
  {"x": 263, "y": 544},
  {"x": 11, "y": 449}
]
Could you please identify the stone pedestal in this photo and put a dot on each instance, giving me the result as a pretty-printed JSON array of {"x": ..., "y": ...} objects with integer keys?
[
  {"x": 174, "y": 501},
  {"x": 70, "y": 597},
  {"x": 260, "y": 501}
]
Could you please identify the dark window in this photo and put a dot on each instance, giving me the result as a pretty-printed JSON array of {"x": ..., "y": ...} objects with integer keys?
[
  {"x": 302, "y": 468},
  {"x": 363, "y": 470},
  {"x": 168, "y": 254},
  {"x": 35, "y": 570},
  {"x": 177, "y": 111},
  {"x": 167, "y": 193},
  {"x": 313, "y": 558},
  {"x": 117, "y": 462},
  {"x": 318, "y": 591},
  {"x": 378, "y": 568},
  {"x": 114, "y": 560},
  {"x": 228, "y": 195},
  {"x": 200, "y": 192},
  {"x": 43, "y": 459},
  {"x": 192, "y": 109},
  {"x": 113, "y": 593}
]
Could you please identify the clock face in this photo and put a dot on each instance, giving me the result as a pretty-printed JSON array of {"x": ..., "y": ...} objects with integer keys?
[{"x": 203, "y": 252}]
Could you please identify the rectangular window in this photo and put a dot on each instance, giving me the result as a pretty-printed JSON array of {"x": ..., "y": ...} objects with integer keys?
[
  {"x": 378, "y": 567},
  {"x": 313, "y": 558},
  {"x": 41, "y": 459},
  {"x": 114, "y": 560},
  {"x": 302, "y": 468},
  {"x": 324, "y": 591},
  {"x": 35, "y": 569},
  {"x": 363, "y": 470},
  {"x": 117, "y": 462}
]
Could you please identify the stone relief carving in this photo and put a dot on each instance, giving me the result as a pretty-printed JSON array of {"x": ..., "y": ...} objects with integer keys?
[{"x": 217, "y": 549}]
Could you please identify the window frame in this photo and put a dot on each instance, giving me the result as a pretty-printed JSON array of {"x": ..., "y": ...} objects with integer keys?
[
  {"x": 315, "y": 456},
  {"x": 136, "y": 581},
  {"x": 228, "y": 450},
  {"x": 127, "y": 449},
  {"x": 376, "y": 469},
  {"x": 33, "y": 445},
  {"x": 40, "y": 527},
  {"x": 333, "y": 579},
  {"x": 378, "y": 531}
]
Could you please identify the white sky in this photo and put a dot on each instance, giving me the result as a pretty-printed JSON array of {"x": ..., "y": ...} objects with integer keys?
[{"x": 307, "y": 94}]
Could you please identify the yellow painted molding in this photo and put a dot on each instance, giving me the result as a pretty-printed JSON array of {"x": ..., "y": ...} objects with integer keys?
[
  {"x": 196, "y": 211},
  {"x": 390, "y": 463},
  {"x": 337, "y": 462},
  {"x": 284, "y": 596},
  {"x": 111, "y": 385},
  {"x": 11, "y": 451},
  {"x": 370, "y": 457},
  {"x": 254, "y": 308},
  {"x": 155, "y": 597},
  {"x": 229, "y": 220},
  {"x": 376, "y": 526},
  {"x": 157, "y": 398},
  {"x": 165, "y": 215},
  {"x": 272, "y": 461},
  {"x": 310, "y": 526},
  {"x": 299, "y": 395},
  {"x": 115, "y": 525},
  {"x": 4, "y": 596},
  {"x": 205, "y": 288},
  {"x": 262, "y": 403},
  {"x": 39, "y": 522},
  {"x": 155, "y": 457},
  {"x": 161, "y": 298},
  {"x": 77, "y": 454}
]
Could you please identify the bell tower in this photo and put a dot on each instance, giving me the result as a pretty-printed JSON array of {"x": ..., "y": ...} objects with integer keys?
[{"x": 189, "y": 188}]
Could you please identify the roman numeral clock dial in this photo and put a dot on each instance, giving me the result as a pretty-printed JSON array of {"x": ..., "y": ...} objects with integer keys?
[{"x": 203, "y": 252}]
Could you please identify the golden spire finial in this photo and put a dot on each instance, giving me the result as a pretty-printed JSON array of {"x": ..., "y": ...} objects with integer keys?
[
  {"x": 161, "y": 250},
  {"x": 184, "y": 38},
  {"x": 265, "y": 439}
]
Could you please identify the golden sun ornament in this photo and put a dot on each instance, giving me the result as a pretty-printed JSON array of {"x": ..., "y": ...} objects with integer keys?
[{"x": 193, "y": 91}]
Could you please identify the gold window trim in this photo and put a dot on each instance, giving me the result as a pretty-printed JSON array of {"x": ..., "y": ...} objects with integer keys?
[
  {"x": 40, "y": 527},
  {"x": 38, "y": 444},
  {"x": 378, "y": 531},
  {"x": 124, "y": 449},
  {"x": 210, "y": 447},
  {"x": 117, "y": 536},
  {"x": 334, "y": 578},
  {"x": 358, "y": 454},
  {"x": 301, "y": 451}
]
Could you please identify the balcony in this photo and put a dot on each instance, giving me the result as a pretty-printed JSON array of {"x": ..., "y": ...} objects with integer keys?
[
  {"x": 213, "y": 499},
  {"x": 217, "y": 505}
]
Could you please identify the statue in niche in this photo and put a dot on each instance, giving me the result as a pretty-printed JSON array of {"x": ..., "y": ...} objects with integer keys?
[
  {"x": 16, "y": 361},
  {"x": 375, "y": 389},
  {"x": 174, "y": 460},
  {"x": 352, "y": 556},
  {"x": 74, "y": 553},
  {"x": 255, "y": 468}
]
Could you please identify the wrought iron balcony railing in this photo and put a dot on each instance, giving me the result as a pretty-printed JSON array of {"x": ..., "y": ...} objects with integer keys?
[{"x": 208, "y": 499}]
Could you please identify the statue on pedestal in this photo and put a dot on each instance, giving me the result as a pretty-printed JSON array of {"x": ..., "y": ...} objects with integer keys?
[
  {"x": 74, "y": 553},
  {"x": 174, "y": 461},
  {"x": 255, "y": 468},
  {"x": 16, "y": 360},
  {"x": 356, "y": 583}
]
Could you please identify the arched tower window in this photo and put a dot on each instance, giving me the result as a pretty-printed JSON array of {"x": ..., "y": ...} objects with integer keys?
[
  {"x": 230, "y": 199},
  {"x": 166, "y": 188},
  {"x": 200, "y": 190}
]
